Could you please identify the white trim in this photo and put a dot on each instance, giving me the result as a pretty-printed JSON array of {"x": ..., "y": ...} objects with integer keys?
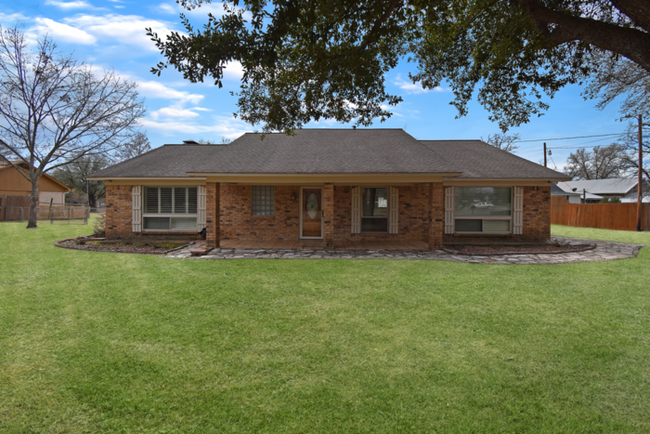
[
  {"x": 201, "y": 208},
  {"x": 393, "y": 210},
  {"x": 355, "y": 216},
  {"x": 136, "y": 208},
  {"x": 518, "y": 211},
  {"x": 322, "y": 227},
  {"x": 449, "y": 210}
]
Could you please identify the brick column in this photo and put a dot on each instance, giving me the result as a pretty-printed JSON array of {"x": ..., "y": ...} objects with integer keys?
[
  {"x": 212, "y": 213},
  {"x": 328, "y": 216},
  {"x": 436, "y": 215}
]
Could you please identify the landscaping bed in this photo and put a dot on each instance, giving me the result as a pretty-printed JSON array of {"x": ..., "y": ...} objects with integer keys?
[
  {"x": 524, "y": 249},
  {"x": 101, "y": 245}
]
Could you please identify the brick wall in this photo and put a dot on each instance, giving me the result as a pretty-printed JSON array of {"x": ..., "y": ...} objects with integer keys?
[
  {"x": 412, "y": 220},
  {"x": 238, "y": 223},
  {"x": 118, "y": 211},
  {"x": 417, "y": 215},
  {"x": 537, "y": 214}
]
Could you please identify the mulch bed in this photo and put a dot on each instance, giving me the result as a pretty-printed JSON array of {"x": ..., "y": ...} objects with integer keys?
[
  {"x": 89, "y": 245},
  {"x": 532, "y": 249}
]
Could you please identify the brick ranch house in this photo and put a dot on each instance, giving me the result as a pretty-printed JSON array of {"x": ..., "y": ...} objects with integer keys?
[{"x": 336, "y": 186}]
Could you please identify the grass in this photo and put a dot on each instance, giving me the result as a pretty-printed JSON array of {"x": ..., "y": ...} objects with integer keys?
[{"x": 117, "y": 343}]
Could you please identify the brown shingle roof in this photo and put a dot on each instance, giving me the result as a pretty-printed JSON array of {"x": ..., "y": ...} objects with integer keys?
[
  {"x": 327, "y": 151},
  {"x": 331, "y": 151},
  {"x": 478, "y": 160}
]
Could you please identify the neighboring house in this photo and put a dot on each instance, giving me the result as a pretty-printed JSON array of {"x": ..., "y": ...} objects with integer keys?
[
  {"x": 568, "y": 195},
  {"x": 13, "y": 183},
  {"x": 340, "y": 186},
  {"x": 596, "y": 189}
]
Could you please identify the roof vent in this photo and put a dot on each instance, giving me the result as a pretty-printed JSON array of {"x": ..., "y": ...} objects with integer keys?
[{"x": 190, "y": 142}]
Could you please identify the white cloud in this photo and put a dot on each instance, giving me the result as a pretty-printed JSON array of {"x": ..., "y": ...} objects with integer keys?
[
  {"x": 63, "y": 32},
  {"x": 126, "y": 29},
  {"x": 5, "y": 18},
  {"x": 77, "y": 4},
  {"x": 204, "y": 9},
  {"x": 415, "y": 88},
  {"x": 234, "y": 70},
  {"x": 155, "y": 89},
  {"x": 174, "y": 113},
  {"x": 221, "y": 127},
  {"x": 168, "y": 9}
]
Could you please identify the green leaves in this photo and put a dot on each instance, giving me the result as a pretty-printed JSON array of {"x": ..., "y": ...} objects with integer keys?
[{"x": 313, "y": 59}]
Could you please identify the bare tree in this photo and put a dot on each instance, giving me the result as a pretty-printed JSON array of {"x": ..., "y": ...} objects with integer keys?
[
  {"x": 503, "y": 141},
  {"x": 54, "y": 110},
  {"x": 603, "y": 162},
  {"x": 74, "y": 176},
  {"x": 617, "y": 77},
  {"x": 224, "y": 141},
  {"x": 630, "y": 142},
  {"x": 138, "y": 145}
]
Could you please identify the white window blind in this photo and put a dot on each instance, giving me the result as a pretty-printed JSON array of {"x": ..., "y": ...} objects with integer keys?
[
  {"x": 356, "y": 210},
  {"x": 136, "y": 209},
  {"x": 202, "y": 206},
  {"x": 393, "y": 210}
]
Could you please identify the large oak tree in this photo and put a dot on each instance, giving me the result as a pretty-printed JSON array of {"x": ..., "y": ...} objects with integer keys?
[{"x": 310, "y": 59}]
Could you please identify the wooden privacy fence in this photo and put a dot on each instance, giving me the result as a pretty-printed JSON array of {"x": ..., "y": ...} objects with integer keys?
[
  {"x": 13, "y": 207},
  {"x": 618, "y": 216},
  {"x": 16, "y": 208}
]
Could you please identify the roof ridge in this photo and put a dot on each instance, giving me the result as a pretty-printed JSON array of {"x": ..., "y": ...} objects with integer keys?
[{"x": 328, "y": 129}]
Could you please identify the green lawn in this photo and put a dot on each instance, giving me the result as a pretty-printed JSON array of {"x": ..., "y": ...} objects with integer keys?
[{"x": 102, "y": 342}]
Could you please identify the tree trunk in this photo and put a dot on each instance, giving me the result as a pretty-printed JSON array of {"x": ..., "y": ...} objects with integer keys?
[{"x": 33, "y": 204}]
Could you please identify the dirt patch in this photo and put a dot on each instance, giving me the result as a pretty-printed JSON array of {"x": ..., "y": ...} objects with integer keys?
[
  {"x": 533, "y": 249},
  {"x": 83, "y": 243}
]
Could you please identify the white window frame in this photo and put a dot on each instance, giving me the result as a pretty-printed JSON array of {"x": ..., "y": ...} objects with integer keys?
[
  {"x": 509, "y": 218},
  {"x": 171, "y": 214}
]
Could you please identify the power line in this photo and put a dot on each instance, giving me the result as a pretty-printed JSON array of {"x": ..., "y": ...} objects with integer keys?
[{"x": 569, "y": 138}]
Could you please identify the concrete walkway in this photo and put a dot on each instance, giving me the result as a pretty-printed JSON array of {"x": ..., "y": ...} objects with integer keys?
[{"x": 604, "y": 251}]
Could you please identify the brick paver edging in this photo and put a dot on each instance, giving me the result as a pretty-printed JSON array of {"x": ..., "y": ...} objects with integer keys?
[{"x": 604, "y": 251}]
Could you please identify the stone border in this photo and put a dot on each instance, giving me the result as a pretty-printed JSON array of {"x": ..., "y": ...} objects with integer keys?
[
  {"x": 603, "y": 251},
  {"x": 576, "y": 249}
]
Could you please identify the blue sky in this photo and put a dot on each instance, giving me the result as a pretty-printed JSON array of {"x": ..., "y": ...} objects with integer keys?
[{"x": 110, "y": 34}]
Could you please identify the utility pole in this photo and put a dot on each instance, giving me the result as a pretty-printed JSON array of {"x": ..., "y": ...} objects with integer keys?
[
  {"x": 545, "y": 155},
  {"x": 639, "y": 189}
]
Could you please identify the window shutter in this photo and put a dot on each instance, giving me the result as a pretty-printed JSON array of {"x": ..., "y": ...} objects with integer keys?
[
  {"x": 200, "y": 221},
  {"x": 356, "y": 210},
  {"x": 518, "y": 212},
  {"x": 136, "y": 208},
  {"x": 393, "y": 209},
  {"x": 449, "y": 210}
]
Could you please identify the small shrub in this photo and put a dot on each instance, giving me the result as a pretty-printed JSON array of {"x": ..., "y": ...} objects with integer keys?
[{"x": 99, "y": 227}]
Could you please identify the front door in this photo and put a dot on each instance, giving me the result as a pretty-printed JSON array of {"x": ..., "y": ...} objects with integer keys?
[{"x": 312, "y": 213}]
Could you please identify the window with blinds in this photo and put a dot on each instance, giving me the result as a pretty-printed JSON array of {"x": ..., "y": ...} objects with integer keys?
[
  {"x": 263, "y": 200},
  {"x": 170, "y": 208},
  {"x": 483, "y": 209}
]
